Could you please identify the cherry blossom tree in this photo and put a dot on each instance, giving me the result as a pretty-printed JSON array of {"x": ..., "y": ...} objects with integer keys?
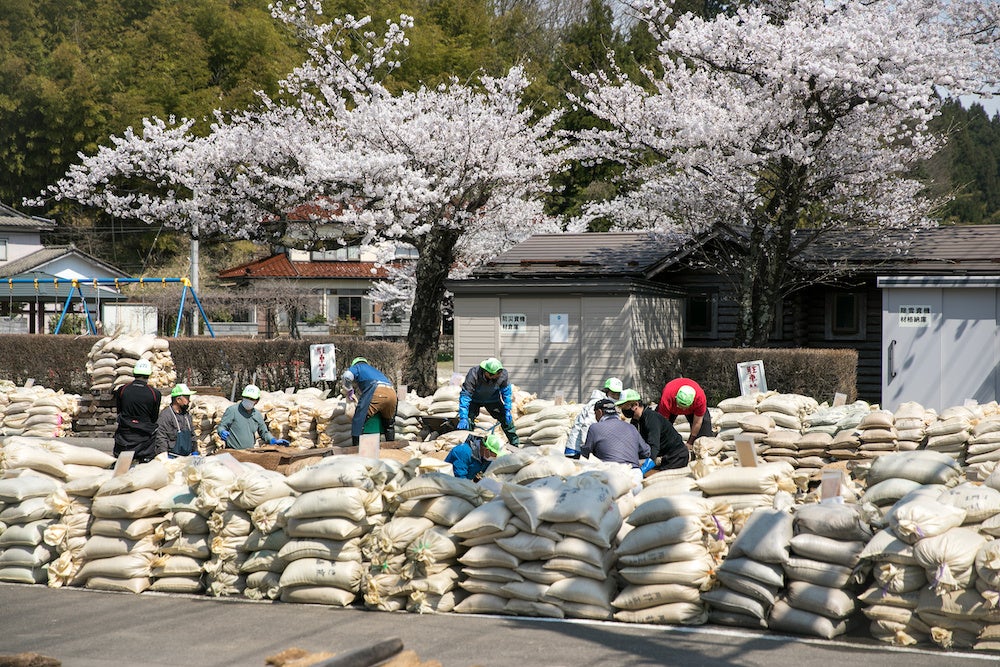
[
  {"x": 456, "y": 170},
  {"x": 785, "y": 125}
]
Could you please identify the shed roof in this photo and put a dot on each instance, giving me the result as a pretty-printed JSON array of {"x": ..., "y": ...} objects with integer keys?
[{"x": 37, "y": 261}]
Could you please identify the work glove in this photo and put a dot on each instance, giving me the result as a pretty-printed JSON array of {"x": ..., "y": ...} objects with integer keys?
[
  {"x": 224, "y": 434},
  {"x": 279, "y": 441},
  {"x": 463, "y": 424}
]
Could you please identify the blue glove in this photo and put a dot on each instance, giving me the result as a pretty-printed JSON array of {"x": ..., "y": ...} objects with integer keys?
[
  {"x": 507, "y": 417},
  {"x": 647, "y": 465},
  {"x": 278, "y": 441},
  {"x": 224, "y": 434},
  {"x": 463, "y": 424}
]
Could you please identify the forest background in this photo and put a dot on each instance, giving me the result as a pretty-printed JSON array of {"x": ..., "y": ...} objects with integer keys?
[{"x": 75, "y": 72}]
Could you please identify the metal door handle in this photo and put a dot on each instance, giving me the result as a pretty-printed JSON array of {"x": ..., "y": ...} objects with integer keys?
[
  {"x": 536, "y": 360},
  {"x": 546, "y": 361},
  {"x": 892, "y": 364}
]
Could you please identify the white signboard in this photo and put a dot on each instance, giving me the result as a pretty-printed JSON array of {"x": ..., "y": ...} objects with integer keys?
[
  {"x": 558, "y": 327},
  {"x": 914, "y": 316},
  {"x": 513, "y": 323},
  {"x": 751, "y": 377},
  {"x": 129, "y": 318},
  {"x": 323, "y": 362}
]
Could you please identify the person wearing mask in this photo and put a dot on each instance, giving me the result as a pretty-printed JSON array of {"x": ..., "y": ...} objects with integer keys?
[
  {"x": 665, "y": 443},
  {"x": 470, "y": 459},
  {"x": 683, "y": 396},
  {"x": 375, "y": 396},
  {"x": 174, "y": 427},
  {"x": 487, "y": 386},
  {"x": 138, "y": 407},
  {"x": 578, "y": 434},
  {"x": 611, "y": 439},
  {"x": 242, "y": 422}
]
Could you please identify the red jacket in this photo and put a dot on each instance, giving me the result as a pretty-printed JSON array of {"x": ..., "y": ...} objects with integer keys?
[{"x": 668, "y": 405}]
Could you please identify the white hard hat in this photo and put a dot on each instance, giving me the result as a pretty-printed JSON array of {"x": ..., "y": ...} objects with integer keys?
[
  {"x": 252, "y": 392},
  {"x": 142, "y": 367}
]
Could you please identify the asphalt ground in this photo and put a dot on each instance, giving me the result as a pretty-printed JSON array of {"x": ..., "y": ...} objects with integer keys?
[{"x": 85, "y": 628}]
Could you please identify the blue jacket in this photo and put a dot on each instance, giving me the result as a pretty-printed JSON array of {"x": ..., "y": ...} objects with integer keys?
[
  {"x": 478, "y": 390},
  {"x": 365, "y": 376},
  {"x": 465, "y": 462}
]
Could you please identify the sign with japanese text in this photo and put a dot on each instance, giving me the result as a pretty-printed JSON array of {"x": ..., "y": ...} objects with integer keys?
[
  {"x": 914, "y": 316},
  {"x": 322, "y": 362},
  {"x": 751, "y": 375},
  {"x": 513, "y": 323}
]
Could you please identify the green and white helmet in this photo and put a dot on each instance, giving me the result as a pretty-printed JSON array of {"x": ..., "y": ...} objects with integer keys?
[
  {"x": 491, "y": 365},
  {"x": 614, "y": 384}
]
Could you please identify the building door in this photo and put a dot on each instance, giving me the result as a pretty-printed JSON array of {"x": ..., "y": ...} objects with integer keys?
[
  {"x": 559, "y": 350},
  {"x": 519, "y": 333},
  {"x": 939, "y": 346}
]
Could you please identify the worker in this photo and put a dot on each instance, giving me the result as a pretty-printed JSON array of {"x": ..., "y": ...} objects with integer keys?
[
  {"x": 486, "y": 386},
  {"x": 174, "y": 427},
  {"x": 611, "y": 439},
  {"x": 470, "y": 459},
  {"x": 578, "y": 433},
  {"x": 683, "y": 396},
  {"x": 138, "y": 407},
  {"x": 666, "y": 446},
  {"x": 242, "y": 421},
  {"x": 375, "y": 396}
]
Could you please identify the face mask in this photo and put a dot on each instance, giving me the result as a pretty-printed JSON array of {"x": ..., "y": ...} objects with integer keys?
[
  {"x": 247, "y": 404},
  {"x": 628, "y": 412}
]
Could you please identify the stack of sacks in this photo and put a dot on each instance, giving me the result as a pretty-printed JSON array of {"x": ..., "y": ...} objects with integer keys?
[
  {"x": 266, "y": 496},
  {"x": 751, "y": 575},
  {"x": 756, "y": 427},
  {"x": 845, "y": 445},
  {"x": 664, "y": 483},
  {"x": 988, "y": 585},
  {"x": 825, "y": 550},
  {"x": 39, "y": 412},
  {"x": 893, "y": 476},
  {"x": 668, "y": 559},
  {"x": 302, "y": 426},
  {"x": 748, "y": 487},
  {"x": 341, "y": 501},
  {"x": 780, "y": 445},
  {"x": 731, "y": 412},
  {"x": 25, "y": 515},
  {"x": 412, "y": 557},
  {"x": 444, "y": 402},
  {"x": 68, "y": 535},
  {"x": 814, "y": 448},
  {"x": 119, "y": 553},
  {"x": 550, "y": 425},
  {"x": 891, "y": 602},
  {"x": 441, "y": 444},
  {"x": 951, "y": 433},
  {"x": 183, "y": 542},
  {"x": 333, "y": 424},
  {"x": 877, "y": 434},
  {"x": 110, "y": 361},
  {"x": 407, "y": 421},
  {"x": 911, "y": 421},
  {"x": 544, "y": 548},
  {"x": 206, "y": 413},
  {"x": 832, "y": 420},
  {"x": 983, "y": 450},
  {"x": 787, "y": 410}
]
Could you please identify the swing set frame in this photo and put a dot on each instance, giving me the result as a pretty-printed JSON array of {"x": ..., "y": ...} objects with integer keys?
[{"x": 117, "y": 282}]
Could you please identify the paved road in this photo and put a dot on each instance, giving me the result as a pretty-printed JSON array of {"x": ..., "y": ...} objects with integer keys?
[{"x": 90, "y": 629}]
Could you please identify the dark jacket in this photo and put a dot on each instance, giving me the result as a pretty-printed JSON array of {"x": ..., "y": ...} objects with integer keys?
[
  {"x": 167, "y": 426},
  {"x": 138, "y": 406}
]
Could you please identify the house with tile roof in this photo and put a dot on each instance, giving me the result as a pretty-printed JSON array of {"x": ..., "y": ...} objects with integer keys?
[
  {"x": 340, "y": 281},
  {"x": 29, "y": 307}
]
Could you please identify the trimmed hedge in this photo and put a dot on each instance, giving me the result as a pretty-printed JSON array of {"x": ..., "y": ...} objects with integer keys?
[
  {"x": 811, "y": 372},
  {"x": 59, "y": 362}
]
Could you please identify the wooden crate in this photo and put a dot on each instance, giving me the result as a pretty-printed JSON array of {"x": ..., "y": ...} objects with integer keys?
[{"x": 275, "y": 457}]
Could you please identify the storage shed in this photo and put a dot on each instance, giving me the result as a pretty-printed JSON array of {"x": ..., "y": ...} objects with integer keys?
[{"x": 565, "y": 311}]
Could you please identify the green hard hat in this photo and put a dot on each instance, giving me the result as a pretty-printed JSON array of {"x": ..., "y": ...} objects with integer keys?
[
  {"x": 685, "y": 396},
  {"x": 358, "y": 360},
  {"x": 491, "y": 365},
  {"x": 613, "y": 384},
  {"x": 628, "y": 396},
  {"x": 181, "y": 390},
  {"x": 493, "y": 444}
]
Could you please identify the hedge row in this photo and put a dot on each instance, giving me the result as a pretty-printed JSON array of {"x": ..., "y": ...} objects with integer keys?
[
  {"x": 59, "y": 362},
  {"x": 812, "y": 372}
]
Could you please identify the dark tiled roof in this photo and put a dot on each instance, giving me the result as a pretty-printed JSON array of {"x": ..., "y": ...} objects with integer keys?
[
  {"x": 279, "y": 266},
  {"x": 637, "y": 254},
  {"x": 9, "y": 218}
]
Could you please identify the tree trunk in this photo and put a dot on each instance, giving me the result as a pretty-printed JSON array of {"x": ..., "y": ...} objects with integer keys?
[{"x": 436, "y": 254}]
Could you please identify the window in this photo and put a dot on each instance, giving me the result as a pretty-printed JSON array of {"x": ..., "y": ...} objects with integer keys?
[
  {"x": 406, "y": 251},
  {"x": 845, "y": 316},
  {"x": 701, "y": 313},
  {"x": 3, "y": 250},
  {"x": 349, "y": 308},
  {"x": 349, "y": 253}
]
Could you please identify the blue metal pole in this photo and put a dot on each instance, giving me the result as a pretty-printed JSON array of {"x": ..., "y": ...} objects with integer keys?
[{"x": 180, "y": 311}]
